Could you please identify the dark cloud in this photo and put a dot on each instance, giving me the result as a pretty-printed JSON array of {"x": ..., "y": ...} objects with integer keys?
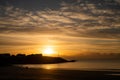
[{"x": 34, "y": 5}]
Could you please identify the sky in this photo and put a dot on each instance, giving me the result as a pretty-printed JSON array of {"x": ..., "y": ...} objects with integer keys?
[{"x": 70, "y": 27}]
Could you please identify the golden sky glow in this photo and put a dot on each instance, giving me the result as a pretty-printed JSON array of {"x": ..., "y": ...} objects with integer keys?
[{"x": 68, "y": 28}]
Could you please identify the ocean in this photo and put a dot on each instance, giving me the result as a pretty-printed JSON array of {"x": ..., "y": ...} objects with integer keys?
[{"x": 79, "y": 65}]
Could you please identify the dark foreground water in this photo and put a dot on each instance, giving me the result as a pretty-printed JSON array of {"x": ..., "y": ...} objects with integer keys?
[
  {"x": 82, "y": 70},
  {"x": 80, "y": 65}
]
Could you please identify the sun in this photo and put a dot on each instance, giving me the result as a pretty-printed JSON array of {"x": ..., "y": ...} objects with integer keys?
[{"x": 48, "y": 51}]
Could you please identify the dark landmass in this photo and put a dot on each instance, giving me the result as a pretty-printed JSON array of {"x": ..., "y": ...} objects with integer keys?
[
  {"x": 18, "y": 73},
  {"x": 7, "y": 59}
]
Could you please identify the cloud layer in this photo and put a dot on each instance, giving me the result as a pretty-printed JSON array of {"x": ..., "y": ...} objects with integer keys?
[{"x": 82, "y": 18}]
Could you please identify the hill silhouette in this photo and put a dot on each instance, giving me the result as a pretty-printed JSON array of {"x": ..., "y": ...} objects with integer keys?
[{"x": 7, "y": 59}]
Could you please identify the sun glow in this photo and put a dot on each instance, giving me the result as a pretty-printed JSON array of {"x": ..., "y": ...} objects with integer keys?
[{"x": 48, "y": 51}]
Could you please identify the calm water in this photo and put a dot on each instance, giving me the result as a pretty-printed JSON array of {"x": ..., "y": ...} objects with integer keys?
[{"x": 80, "y": 65}]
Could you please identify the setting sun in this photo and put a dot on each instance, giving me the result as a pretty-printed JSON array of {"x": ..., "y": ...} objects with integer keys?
[{"x": 48, "y": 51}]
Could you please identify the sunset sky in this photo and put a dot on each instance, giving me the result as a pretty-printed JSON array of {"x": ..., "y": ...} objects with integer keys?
[{"x": 69, "y": 27}]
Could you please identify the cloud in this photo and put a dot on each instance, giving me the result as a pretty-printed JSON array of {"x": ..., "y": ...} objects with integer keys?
[{"x": 82, "y": 18}]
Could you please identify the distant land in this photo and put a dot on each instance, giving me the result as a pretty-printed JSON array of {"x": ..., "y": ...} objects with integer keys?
[{"x": 7, "y": 59}]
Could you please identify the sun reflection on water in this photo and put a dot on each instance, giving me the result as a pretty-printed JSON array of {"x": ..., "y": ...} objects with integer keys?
[{"x": 49, "y": 67}]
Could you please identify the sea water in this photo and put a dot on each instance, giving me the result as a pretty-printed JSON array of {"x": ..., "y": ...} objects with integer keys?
[{"x": 79, "y": 65}]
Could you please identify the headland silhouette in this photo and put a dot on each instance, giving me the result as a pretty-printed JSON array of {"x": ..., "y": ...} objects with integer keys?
[{"x": 7, "y": 59}]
